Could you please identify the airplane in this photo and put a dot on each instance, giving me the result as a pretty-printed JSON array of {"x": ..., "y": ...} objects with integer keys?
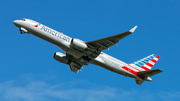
[{"x": 79, "y": 53}]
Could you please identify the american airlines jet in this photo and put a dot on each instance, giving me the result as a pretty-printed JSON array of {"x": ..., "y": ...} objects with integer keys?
[{"x": 79, "y": 53}]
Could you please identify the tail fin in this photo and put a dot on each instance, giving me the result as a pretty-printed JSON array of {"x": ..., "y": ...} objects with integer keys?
[{"x": 146, "y": 63}]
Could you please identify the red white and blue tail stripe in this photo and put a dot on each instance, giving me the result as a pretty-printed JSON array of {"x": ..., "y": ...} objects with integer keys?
[{"x": 146, "y": 63}]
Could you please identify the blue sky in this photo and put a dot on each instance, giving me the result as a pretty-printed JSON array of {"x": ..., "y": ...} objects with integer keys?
[{"x": 29, "y": 73}]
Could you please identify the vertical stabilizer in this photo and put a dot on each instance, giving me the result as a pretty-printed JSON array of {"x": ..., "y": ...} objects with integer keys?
[{"x": 146, "y": 63}]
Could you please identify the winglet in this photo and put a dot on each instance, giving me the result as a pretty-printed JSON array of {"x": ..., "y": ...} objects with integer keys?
[{"x": 133, "y": 29}]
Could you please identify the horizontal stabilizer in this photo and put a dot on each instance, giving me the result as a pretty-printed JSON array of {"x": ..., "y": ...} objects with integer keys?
[{"x": 150, "y": 72}]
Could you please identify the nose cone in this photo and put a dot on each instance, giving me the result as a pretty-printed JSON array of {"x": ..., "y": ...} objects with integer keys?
[{"x": 16, "y": 23}]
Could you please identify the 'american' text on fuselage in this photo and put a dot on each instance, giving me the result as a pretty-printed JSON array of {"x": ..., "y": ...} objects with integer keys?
[{"x": 55, "y": 33}]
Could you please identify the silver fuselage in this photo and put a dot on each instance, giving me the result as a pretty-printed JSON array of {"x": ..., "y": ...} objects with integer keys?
[{"x": 62, "y": 41}]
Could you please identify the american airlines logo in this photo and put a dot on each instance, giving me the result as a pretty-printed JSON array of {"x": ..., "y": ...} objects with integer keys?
[{"x": 37, "y": 25}]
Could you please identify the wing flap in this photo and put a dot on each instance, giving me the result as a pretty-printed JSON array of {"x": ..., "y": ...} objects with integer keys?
[
  {"x": 76, "y": 63},
  {"x": 75, "y": 67}
]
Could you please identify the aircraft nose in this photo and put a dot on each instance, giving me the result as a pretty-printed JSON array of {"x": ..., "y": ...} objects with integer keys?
[{"x": 15, "y": 22}]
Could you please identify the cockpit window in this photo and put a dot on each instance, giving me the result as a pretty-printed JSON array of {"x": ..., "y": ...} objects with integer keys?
[{"x": 22, "y": 19}]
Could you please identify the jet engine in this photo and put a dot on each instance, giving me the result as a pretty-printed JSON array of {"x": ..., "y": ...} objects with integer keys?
[
  {"x": 78, "y": 44},
  {"x": 23, "y": 30},
  {"x": 61, "y": 58}
]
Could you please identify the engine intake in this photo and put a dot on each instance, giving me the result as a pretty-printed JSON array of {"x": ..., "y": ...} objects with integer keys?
[
  {"x": 78, "y": 44},
  {"x": 61, "y": 58}
]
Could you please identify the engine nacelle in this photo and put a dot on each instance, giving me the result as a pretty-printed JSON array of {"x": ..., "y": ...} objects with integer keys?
[
  {"x": 61, "y": 58},
  {"x": 78, "y": 44}
]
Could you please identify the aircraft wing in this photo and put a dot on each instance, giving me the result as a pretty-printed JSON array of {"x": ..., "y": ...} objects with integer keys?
[
  {"x": 107, "y": 42},
  {"x": 75, "y": 67},
  {"x": 75, "y": 64}
]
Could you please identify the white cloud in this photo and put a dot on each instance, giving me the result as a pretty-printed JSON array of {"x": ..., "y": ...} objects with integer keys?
[
  {"x": 70, "y": 91},
  {"x": 40, "y": 91}
]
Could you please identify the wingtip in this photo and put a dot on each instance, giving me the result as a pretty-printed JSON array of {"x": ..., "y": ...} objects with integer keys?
[
  {"x": 133, "y": 29},
  {"x": 161, "y": 70}
]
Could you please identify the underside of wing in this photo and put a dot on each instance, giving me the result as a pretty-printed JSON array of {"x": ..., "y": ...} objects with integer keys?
[
  {"x": 105, "y": 43},
  {"x": 75, "y": 67},
  {"x": 75, "y": 64}
]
